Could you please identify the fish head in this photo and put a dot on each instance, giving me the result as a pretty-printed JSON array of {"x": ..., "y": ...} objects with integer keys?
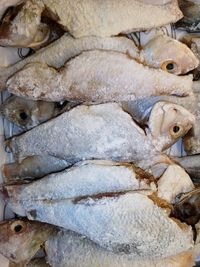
[
  {"x": 169, "y": 55},
  {"x": 169, "y": 122},
  {"x": 18, "y": 110},
  {"x": 18, "y": 28},
  {"x": 21, "y": 239},
  {"x": 187, "y": 209}
]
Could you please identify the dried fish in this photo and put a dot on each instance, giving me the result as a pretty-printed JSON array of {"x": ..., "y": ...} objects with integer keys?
[
  {"x": 92, "y": 18},
  {"x": 104, "y": 132},
  {"x": 108, "y": 76}
]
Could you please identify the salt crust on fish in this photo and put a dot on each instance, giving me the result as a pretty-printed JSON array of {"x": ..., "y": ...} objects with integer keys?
[
  {"x": 60, "y": 51},
  {"x": 97, "y": 76},
  {"x": 100, "y": 132},
  {"x": 126, "y": 224},
  {"x": 68, "y": 249}
]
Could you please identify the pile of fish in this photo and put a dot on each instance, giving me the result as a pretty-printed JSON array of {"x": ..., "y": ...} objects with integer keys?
[{"x": 94, "y": 180}]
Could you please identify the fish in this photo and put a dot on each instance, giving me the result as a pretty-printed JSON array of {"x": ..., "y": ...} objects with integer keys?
[
  {"x": 108, "y": 76},
  {"x": 65, "y": 248},
  {"x": 84, "y": 18},
  {"x": 81, "y": 252},
  {"x": 187, "y": 208},
  {"x": 191, "y": 19},
  {"x": 59, "y": 52},
  {"x": 83, "y": 179},
  {"x": 23, "y": 234},
  {"x": 119, "y": 222},
  {"x": 103, "y": 131},
  {"x": 27, "y": 114}
]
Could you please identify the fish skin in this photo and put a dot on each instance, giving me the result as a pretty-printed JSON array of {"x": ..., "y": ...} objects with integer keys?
[
  {"x": 84, "y": 18},
  {"x": 86, "y": 132},
  {"x": 33, "y": 167},
  {"x": 103, "y": 221},
  {"x": 105, "y": 73},
  {"x": 34, "y": 112},
  {"x": 83, "y": 179},
  {"x": 57, "y": 53},
  {"x": 68, "y": 249},
  {"x": 29, "y": 239}
]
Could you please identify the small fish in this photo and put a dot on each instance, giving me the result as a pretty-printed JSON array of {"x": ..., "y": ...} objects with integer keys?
[
  {"x": 60, "y": 51},
  {"x": 68, "y": 249},
  {"x": 188, "y": 207},
  {"x": 23, "y": 234},
  {"x": 28, "y": 114},
  {"x": 125, "y": 223},
  {"x": 108, "y": 76},
  {"x": 85, "y": 19},
  {"x": 104, "y": 131},
  {"x": 84, "y": 179}
]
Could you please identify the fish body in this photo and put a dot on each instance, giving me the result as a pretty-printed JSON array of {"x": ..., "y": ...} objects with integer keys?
[
  {"x": 104, "y": 132},
  {"x": 84, "y": 179},
  {"x": 129, "y": 223},
  {"x": 90, "y": 18},
  {"x": 108, "y": 76},
  {"x": 68, "y": 249}
]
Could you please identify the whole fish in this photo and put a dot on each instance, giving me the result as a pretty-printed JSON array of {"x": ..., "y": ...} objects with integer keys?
[
  {"x": 57, "y": 53},
  {"x": 28, "y": 114},
  {"x": 104, "y": 131},
  {"x": 108, "y": 76},
  {"x": 90, "y": 18},
  {"x": 125, "y": 223},
  {"x": 67, "y": 249},
  {"x": 25, "y": 235}
]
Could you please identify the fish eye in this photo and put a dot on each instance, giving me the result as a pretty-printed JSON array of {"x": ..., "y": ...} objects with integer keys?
[
  {"x": 18, "y": 227},
  {"x": 23, "y": 115},
  {"x": 169, "y": 66},
  {"x": 176, "y": 130}
]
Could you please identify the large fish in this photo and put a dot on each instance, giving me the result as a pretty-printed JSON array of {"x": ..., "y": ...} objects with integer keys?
[
  {"x": 107, "y": 75},
  {"x": 89, "y": 18},
  {"x": 67, "y": 249},
  {"x": 176, "y": 58},
  {"x": 104, "y": 131},
  {"x": 125, "y": 223}
]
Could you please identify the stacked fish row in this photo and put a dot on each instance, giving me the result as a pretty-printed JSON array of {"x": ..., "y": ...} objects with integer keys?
[{"x": 97, "y": 116}]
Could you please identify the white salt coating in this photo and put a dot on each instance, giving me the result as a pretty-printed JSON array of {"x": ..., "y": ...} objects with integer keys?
[
  {"x": 87, "y": 178},
  {"x": 58, "y": 52},
  {"x": 68, "y": 249},
  {"x": 125, "y": 224},
  {"x": 97, "y": 76},
  {"x": 111, "y": 17},
  {"x": 173, "y": 182},
  {"x": 102, "y": 132}
]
